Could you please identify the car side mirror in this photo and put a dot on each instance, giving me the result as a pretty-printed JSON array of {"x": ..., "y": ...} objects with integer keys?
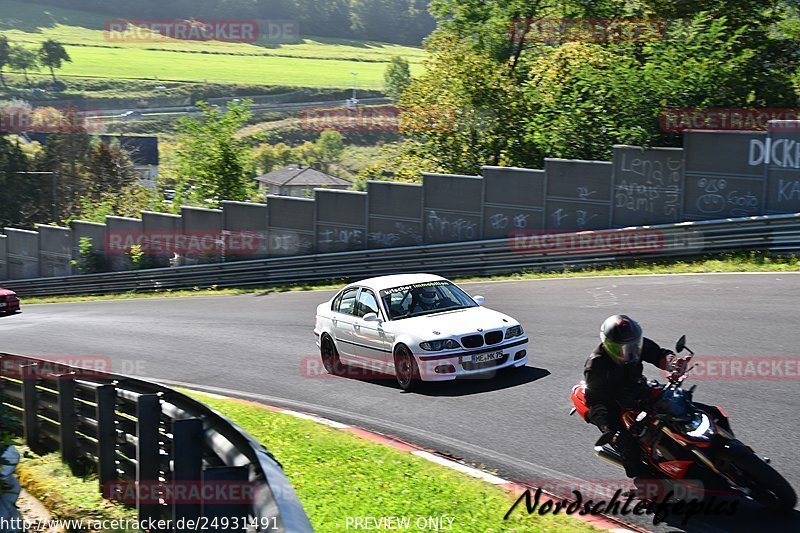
[
  {"x": 681, "y": 344},
  {"x": 370, "y": 317},
  {"x": 479, "y": 300}
]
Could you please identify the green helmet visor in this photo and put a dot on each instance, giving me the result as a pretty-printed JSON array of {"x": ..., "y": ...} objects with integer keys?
[{"x": 624, "y": 352}]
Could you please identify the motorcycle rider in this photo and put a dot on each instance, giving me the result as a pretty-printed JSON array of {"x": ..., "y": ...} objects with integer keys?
[{"x": 614, "y": 380}]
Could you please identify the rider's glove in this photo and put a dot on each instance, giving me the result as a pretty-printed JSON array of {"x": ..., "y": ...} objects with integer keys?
[{"x": 677, "y": 364}]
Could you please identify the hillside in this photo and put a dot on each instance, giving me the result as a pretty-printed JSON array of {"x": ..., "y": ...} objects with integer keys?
[{"x": 312, "y": 62}]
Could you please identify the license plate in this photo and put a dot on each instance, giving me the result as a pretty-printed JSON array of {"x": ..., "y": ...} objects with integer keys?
[
  {"x": 486, "y": 357},
  {"x": 2, "y": 304}
]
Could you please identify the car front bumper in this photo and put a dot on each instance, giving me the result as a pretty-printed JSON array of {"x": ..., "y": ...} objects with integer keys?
[
  {"x": 461, "y": 363},
  {"x": 10, "y": 306}
]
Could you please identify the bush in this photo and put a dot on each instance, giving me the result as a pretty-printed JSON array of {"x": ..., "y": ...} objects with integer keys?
[{"x": 89, "y": 261}]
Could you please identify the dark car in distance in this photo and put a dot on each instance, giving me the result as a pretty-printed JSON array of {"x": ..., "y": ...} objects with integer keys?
[{"x": 9, "y": 303}]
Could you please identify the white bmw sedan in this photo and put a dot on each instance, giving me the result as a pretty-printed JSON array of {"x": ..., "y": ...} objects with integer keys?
[{"x": 417, "y": 327}]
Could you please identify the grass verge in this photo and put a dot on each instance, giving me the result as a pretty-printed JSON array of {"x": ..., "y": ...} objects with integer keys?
[
  {"x": 66, "y": 496},
  {"x": 750, "y": 262},
  {"x": 337, "y": 474}
]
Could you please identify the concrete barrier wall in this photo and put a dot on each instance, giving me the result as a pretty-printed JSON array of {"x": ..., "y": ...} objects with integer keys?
[
  {"x": 22, "y": 253},
  {"x": 578, "y": 195},
  {"x": 513, "y": 201},
  {"x": 394, "y": 214},
  {"x": 55, "y": 251},
  {"x": 717, "y": 174},
  {"x": 452, "y": 207},
  {"x": 160, "y": 231},
  {"x": 290, "y": 225},
  {"x": 648, "y": 186},
  {"x": 725, "y": 174},
  {"x": 783, "y": 170},
  {"x": 93, "y": 231},
  {"x": 246, "y": 227},
  {"x": 202, "y": 229},
  {"x": 341, "y": 220},
  {"x": 121, "y": 234},
  {"x": 3, "y": 257}
]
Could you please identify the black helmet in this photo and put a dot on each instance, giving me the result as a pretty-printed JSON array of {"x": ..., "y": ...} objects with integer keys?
[{"x": 622, "y": 339}]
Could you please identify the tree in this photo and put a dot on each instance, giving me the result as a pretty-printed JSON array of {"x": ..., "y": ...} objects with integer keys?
[
  {"x": 67, "y": 154},
  {"x": 582, "y": 99},
  {"x": 464, "y": 111},
  {"x": 307, "y": 153},
  {"x": 397, "y": 77},
  {"x": 330, "y": 147},
  {"x": 19, "y": 192},
  {"x": 110, "y": 170},
  {"x": 270, "y": 157},
  {"x": 513, "y": 94},
  {"x": 23, "y": 59},
  {"x": 211, "y": 157},
  {"x": 5, "y": 56},
  {"x": 52, "y": 54}
]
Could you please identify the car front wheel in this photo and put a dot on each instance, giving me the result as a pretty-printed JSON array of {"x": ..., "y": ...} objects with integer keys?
[
  {"x": 406, "y": 369},
  {"x": 330, "y": 357}
]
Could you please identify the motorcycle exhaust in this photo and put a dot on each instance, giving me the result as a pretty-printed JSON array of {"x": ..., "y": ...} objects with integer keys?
[{"x": 609, "y": 455}]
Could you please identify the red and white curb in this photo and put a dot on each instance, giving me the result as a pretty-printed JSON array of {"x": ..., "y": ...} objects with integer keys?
[{"x": 516, "y": 489}]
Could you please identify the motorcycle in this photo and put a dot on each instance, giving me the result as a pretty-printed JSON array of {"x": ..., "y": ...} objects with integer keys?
[{"x": 682, "y": 441}]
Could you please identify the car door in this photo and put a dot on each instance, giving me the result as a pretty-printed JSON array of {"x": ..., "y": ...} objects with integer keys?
[
  {"x": 343, "y": 318},
  {"x": 369, "y": 337}
]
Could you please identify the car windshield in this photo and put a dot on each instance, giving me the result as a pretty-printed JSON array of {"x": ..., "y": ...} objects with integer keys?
[{"x": 424, "y": 298}]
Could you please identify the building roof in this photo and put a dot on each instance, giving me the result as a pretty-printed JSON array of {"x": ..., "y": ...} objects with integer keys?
[
  {"x": 301, "y": 175},
  {"x": 142, "y": 150}
]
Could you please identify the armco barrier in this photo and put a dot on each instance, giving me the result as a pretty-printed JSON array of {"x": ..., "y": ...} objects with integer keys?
[
  {"x": 141, "y": 436},
  {"x": 777, "y": 234}
]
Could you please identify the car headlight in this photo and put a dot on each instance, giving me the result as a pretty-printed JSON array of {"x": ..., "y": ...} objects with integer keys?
[
  {"x": 435, "y": 346},
  {"x": 513, "y": 331}
]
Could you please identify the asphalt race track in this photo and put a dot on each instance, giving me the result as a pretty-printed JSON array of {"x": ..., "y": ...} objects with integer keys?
[{"x": 516, "y": 424}]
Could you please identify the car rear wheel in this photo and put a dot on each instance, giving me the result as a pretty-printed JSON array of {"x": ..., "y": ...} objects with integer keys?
[
  {"x": 330, "y": 357},
  {"x": 406, "y": 369}
]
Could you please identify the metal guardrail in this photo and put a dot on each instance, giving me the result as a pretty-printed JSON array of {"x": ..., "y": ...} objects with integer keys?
[
  {"x": 139, "y": 436},
  {"x": 777, "y": 234}
]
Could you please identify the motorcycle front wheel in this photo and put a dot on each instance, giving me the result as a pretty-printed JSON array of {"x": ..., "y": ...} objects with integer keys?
[{"x": 766, "y": 485}]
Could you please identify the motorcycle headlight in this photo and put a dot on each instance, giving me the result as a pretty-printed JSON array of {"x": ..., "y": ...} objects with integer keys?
[
  {"x": 513, "y": 331},
  {"x": 435, "y": 346},
  {"x": 699, "y": 427}
]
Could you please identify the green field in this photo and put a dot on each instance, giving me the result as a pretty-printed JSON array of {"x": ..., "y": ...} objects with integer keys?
[{"x": 311, "y": 63}]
